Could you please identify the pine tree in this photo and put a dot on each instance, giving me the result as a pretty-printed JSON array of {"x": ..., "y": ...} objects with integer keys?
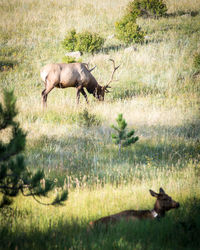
[
  {"x": 15, "y": 178},
  {"x": 123, "y": 138}
]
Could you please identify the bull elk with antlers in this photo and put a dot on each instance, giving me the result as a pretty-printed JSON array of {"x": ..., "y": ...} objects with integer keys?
[{"x": 77, "y": 75}]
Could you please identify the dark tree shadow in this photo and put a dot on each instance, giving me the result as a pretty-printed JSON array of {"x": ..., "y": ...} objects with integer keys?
[
  {"x": 110, "y": 48},
  {"x": 179, "y": 229},
  {"x": 182, "y": 13},
  {"x": 95, "y": 158}
]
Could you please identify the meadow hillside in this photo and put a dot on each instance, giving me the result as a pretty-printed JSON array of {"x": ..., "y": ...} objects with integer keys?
[{"x": 158, "y": 91}]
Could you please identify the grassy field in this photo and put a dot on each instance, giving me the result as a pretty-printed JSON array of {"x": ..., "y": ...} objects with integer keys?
[{"x": 158, "y": 93}]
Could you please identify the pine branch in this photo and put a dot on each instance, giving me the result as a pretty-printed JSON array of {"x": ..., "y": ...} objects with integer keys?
[
  {"x": 57, "y": 201},
  {"x": 117, "y": 129},
  {"x": 14, "y": 176},
  {"x": 16, "y": 144},
  {"x": 131, "y": 133},
  {"x": 8, "y": 113},
  {"x": 60, "y": 198}
]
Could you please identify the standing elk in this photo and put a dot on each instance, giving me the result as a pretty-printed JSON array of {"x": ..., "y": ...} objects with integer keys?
[
  {"x": 163, "y": 203},
  {"x": 77, "y": 75}
]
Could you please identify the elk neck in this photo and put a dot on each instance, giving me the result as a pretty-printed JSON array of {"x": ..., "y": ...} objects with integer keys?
[
  {"x": 92, "y": 85},
  {"x": 158, "y": 210},
  {"x": 154, "y": 214}
]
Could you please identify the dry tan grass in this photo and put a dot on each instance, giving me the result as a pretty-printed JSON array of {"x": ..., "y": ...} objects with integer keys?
[{"x": 184, "y": 5}]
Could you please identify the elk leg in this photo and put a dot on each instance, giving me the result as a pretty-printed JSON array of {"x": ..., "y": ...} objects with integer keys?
[
  {"x": 78, "y": 95},
  {"x": 84, "y": 94},
  {"x": 44, "y": 98},
  {"x": 45, "y": 93},
  {"x": 79, "y": 90}
]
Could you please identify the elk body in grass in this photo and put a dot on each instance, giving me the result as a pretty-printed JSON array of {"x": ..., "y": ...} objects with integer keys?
[
  {"x": 163, "y": 203},
  {"x": 77, "y": 75}
]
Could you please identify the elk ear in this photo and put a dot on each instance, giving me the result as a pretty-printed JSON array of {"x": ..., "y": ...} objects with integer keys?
[
  {"x": 154, "y": 194},
  {"x": 162, "y": 191}
]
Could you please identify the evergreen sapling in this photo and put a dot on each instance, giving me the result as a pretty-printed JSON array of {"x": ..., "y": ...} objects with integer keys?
[{"x": 123, "y": 138}]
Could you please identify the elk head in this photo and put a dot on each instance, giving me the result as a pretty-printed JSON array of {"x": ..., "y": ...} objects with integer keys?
[
  {"x": 101, "y": 90},
  {"x": 164, "y": 202}
]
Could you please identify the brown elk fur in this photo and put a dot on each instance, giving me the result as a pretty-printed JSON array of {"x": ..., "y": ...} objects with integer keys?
[
  {"x": 163, "y": 203},
  {"x": 77, "y": 75}
]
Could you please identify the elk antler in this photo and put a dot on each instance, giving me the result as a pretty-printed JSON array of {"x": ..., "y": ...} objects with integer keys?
[
  {"x": 90, "y": 70},
  {"x": 111, "y": 79}
]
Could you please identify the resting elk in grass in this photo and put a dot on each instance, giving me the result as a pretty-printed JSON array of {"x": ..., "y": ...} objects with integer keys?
[
  {"x": 77, "y": 75},
  {"x": 163, "y": 203}
]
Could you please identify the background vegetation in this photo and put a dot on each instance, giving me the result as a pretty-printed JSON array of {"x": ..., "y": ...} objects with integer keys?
[
  {"x": 158, "y": 94},
  {"x": 83, "y": 42}
]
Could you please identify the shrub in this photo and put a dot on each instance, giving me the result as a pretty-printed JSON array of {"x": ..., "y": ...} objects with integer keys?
[
  {"x": 128, "y": 31},
  {"x": 196, "y": 61},
  {"x": 70, "y": 41},
  {"x": 8, "y": 57},
  {"x": 6, "y": 65},
  {"x": 85, "y": 119},
  {"x": 88, "y": 42},
  {"x": 70, "y": 59},
  {"x": 83, "y": 42},
  {"x": 147, "y": 8}
]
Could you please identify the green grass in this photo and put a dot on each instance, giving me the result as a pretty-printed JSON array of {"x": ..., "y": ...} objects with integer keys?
[
  {"x": 158, "y": 93},
  {"x": 68, "y": 227}
]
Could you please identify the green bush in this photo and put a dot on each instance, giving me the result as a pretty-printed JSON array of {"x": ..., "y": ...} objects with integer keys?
[
  {"x": 88, "y": 42},
  {"x": 70, "y": 41},
  {"x": 147, "y": 8},
  {"x": 70, "y": 59},
  {"x": 6, "y": 65},
  {"x": 85, "y": 119},
  {"x": 196, "y": 61},
  {"x": 8, "y": 56},
  {"x": 128, "y": 31},
  {"x": 83, "y": 42}
]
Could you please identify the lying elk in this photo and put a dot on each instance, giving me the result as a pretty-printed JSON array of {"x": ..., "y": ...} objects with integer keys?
[
  {"x": 75, "y": 75},
  {"x": 162, "y": 204}
]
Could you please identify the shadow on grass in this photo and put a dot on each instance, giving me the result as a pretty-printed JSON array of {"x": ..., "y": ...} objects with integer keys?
[
  {"x": 180, "y": 229},
  {"x": 88, "y": 160},
  {"x": 183, "y": 13},
  {"x": 109, "y": 48},
  {"x": 189, "y": 131},
  {"x": 134, "y": 89},
  {"x": 167, "y": 144},
  {"x": 77, "y": 154}
]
